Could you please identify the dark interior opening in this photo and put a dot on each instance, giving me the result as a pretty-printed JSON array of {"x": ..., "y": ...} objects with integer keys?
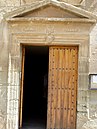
[{"x": 35, "y": 87}]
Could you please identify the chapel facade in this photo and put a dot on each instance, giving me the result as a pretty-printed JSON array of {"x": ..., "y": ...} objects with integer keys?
[{"x": 48, "y": 65}]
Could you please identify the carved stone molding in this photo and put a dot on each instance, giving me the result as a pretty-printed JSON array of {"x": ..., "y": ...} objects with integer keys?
[{"x": 49, "y": 34}]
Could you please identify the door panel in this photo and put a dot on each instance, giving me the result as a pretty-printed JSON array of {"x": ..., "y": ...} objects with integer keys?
[
  {"x": 21, "y": 88},
  {"x": 62, "y": 88}
]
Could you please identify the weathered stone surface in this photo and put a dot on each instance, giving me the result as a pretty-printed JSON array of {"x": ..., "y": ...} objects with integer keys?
[
  {"x": 23, "y": 2},
  {"x": 91, "y": 5},
  {"x": 14, "y": 78},
  {"x": 93, "y": 58},
  {"x": 83, "y": 66},
  {"x": 3, "y": 113},
  {"x": 74, "y": 2},
  {"x": 92, "y": 105},
  {"x": 81, "y": 120},
  {"x": 42, "y": 30},
  {"x": 82, "y": 101},
  {"x": 83, "y": 81},
  {"x": 84, "y": 50},
  {"x": 3, "y": 77},
  {"x": 46, "y": 32},
  {"x": 2, "y": 121},
  {"x": 93, "y": 51},
  {"x": 3, "y": 93},
  {"x": 9, "y": 3},
  {"x": 90, "y": 124}
]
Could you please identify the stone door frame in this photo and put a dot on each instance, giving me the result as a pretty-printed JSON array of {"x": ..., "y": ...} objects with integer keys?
[{"x": 50, "y": 37}]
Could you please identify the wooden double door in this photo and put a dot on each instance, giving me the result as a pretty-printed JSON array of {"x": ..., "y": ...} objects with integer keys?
[{"x": 62, "y": 88}]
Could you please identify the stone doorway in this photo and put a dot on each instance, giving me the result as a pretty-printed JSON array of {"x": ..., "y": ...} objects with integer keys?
[
  {"x": 58, "y": 108},
  {"x": 35, "y": 86}
]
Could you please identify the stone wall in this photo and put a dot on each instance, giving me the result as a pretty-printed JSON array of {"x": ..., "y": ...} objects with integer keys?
[
  {"x": 87, "y": 102},
  {"x": 27, "y": 32},
  {"x": 92, "y": 94}
]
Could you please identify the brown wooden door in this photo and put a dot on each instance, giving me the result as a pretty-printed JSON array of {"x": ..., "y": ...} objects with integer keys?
[
  {"x": 21, "y": 88},
  {"x": 62, "y": 88}
]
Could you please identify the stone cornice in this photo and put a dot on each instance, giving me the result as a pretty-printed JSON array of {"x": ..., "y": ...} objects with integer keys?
[
  {"x": 81, "y": 20},
  {"x": 62, "y": 5}
]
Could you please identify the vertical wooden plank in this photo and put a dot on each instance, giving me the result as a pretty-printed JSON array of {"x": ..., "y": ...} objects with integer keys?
[
  {"x": 62, "y": 88},
  {"x": 57, "y": 90},
  {"x": 75, "y": 63},
  {"x": 54, "y": 102},
  {"x": 60, "y": 69},
  {"x": 69, "y": 88},
  {"x": 22, "y": 83},
  {"x": 73, "y": 89},
  {"x": 63, "y": 113},
  {"x": 49, "y": 88},
  {"x": 66, "y": 90},
  {"x": 52, "y": 88},
  {"x": 52, "y": 84}
]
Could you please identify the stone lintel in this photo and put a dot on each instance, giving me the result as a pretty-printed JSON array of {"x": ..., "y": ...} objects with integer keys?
[{"x": 81, "y": 20}]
